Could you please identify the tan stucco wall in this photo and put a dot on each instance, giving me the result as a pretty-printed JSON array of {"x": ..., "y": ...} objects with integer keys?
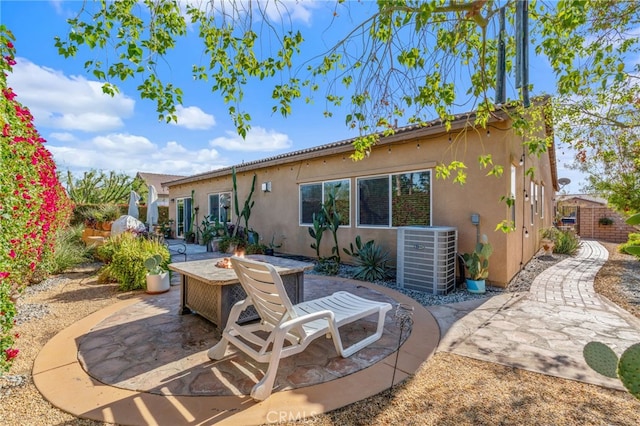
[{"x": 277, "y": 212}]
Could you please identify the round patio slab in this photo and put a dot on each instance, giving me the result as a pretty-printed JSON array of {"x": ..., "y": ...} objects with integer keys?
[{"x": 139, "y": 362}]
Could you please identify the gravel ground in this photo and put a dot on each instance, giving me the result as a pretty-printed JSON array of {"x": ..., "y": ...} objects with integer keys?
[{"x": 447, "y": 390}]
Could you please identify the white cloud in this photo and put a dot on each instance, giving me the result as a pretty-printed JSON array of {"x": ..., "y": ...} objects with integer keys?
[
  {"x": 287, "y": 10},
  {"x": 125, "y": 153},
  {"x": 296, "y": 10},
  {"x": 69, "y": 103},
  {"x": 62, "y": 136},
  {"x": 258, "y": 139},
  {"x": 193, "y": 118}
]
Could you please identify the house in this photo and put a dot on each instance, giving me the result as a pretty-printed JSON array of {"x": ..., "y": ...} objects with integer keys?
[
  {"x": 591, "y": 217},
  {"x": 394, "y": 186},
  {"x": 158, "y": 181}
]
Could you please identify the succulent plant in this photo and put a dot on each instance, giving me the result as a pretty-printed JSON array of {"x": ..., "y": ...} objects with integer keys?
[
  {"x": 154, "y": 264},
  {"x": 604, "y": 360}
]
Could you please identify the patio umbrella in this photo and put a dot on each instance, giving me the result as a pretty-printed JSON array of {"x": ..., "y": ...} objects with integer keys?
[
  {"x": 133, "y": 204},
  {"x": 152, "y": 207}
]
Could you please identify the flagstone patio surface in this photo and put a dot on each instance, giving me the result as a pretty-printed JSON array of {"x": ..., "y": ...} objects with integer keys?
[{"x": 140, "y": 362}]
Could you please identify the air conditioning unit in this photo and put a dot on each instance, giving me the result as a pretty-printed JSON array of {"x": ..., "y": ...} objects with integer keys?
[{"x": 427, "y": 258}]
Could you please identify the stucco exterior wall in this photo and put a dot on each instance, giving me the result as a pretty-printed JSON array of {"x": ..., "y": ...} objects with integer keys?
[{"x": 277, "y": 212}]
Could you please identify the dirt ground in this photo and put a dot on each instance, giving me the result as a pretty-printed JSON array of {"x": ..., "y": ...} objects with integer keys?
[{"x": 447, "y": 390}]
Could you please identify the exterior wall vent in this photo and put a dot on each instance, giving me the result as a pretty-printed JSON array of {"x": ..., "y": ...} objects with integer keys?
[{"x": 427, "y": 258}]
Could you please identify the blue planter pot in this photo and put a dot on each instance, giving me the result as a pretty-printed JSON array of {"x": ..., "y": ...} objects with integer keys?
[{"x": 475, "y": 286}]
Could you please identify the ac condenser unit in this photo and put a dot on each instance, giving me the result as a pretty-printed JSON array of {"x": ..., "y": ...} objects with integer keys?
[{"x": 427, "y": 258}]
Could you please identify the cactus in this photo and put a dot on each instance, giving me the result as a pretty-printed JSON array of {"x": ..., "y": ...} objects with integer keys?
[
  {"x": 154, "y": 264},
  {"x": 601, "y": 358},
  {"x": 629, "y": 369},
  {"x": 604, "y": 360},
  {"x": 477, "y": 262}
]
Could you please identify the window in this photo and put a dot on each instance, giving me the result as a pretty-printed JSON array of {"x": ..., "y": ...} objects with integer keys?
[
  {"x": 314, "y": 194},
  {"x": 513, "y": 193},
  {"x": 395, "y": 200},
  {"x": 220, "y": 207},
  {"x": 542, "y": 201},
  {"x": 531, "y": 198},
  {"x": 535, "y": 194}
]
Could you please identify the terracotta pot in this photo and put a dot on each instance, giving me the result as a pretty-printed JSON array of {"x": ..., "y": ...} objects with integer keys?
[{"x": 547, "y": 246}]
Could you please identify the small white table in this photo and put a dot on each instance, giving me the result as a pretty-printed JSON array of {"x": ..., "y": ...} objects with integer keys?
[{"x": 211, "y": 291}]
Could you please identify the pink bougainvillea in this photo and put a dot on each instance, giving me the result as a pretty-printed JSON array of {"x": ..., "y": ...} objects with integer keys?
[{"x": 33, "y": 203}]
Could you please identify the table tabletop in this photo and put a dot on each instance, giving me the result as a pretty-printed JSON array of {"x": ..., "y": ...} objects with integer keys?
[{"x": 207, "y": 271}]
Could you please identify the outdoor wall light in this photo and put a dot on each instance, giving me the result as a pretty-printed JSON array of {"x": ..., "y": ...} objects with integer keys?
[
  {"x": 526, "y": 195},
  {"x": 266, "y": 186},
  {"x": 526, "y": 232},
  {"x": 521, "y": 159}
]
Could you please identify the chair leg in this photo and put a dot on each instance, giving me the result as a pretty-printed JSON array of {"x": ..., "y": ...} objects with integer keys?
[
  {"x": 263, "y": 388},
  {"x": 218, "y": 350}
]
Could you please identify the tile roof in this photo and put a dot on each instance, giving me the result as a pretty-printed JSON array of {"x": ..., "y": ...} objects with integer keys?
[
  {"x": 158, "y": 181},
  {"x": 401, "y": 133}
]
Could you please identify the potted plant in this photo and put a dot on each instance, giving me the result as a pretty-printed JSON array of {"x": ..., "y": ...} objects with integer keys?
[
  {"x": 106, "y": 214},
  {"x": 157, "y": 277},
  {"x": 165, "y": 228},
  {"x": 272, "y": 246},
  {"x": 548, "y": 240},
  {"x": 210, "y": 233},
  {"x": 477, "y": 265},
  {"x": 605, "y": 221}
]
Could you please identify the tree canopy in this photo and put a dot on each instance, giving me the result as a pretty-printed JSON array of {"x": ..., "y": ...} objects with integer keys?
[
  {"x": 98, "y": 187},
  {"x": 401, "y": 61}
]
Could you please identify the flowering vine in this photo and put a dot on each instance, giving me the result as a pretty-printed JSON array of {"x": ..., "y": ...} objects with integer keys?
[{"x": 33, "y": 203}]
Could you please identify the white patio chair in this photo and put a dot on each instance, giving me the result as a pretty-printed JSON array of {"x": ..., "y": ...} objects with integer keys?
[{"x": 298, "y": 324}]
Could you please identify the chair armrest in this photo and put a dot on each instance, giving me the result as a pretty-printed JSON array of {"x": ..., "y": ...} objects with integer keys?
[
  {"x": 238, "y": 308},
  {"x": 327, "y": 314}
]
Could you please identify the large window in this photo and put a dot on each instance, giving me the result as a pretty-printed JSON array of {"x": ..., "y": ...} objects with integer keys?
[
  {"x": 220, "y": 207},
  {"x": 313, "y": 195},
  {"x": 395, "y": 200}
]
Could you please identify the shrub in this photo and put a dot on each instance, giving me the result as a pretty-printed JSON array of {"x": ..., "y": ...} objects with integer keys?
[
  {"x": 566, "y": 242},
  {"x": 69, "y": 250},
  {"x": 127, "y": 254},
  {"x": 632, "y": 240},
  {"x": 33, "y": 203},
  {"x": 327, "y": 266},
  {"x": 255, "y": 248}
]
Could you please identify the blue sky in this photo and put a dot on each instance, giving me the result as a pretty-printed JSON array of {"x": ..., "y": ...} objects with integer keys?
[{"x": 86, "y": 129}]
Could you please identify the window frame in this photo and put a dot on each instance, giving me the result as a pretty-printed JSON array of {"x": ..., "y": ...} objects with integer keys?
[
  {"x": 389, "y": 177},
  {"x": 229, "y": 210},
  {"x": 323, "y": 191}
]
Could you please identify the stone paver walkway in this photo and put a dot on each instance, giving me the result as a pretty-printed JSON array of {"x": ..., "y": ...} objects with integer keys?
[{"x": 545, "y": 329}]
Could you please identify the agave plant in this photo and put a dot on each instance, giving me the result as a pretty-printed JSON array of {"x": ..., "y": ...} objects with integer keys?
[{"x": 371, "y": 260}]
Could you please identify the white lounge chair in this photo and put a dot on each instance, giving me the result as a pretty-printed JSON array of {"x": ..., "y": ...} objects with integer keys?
[{"x": 298, "y": 325}]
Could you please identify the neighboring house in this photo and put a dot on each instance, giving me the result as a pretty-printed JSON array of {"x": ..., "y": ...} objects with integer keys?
[
  {"x": 592, "y": 218},
  {"x": 394, "y": 186},
  {"x": 158, "y": 180}
]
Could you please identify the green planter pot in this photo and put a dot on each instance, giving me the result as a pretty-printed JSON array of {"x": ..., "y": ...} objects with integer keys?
[{"x": 475, "y": 286}]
